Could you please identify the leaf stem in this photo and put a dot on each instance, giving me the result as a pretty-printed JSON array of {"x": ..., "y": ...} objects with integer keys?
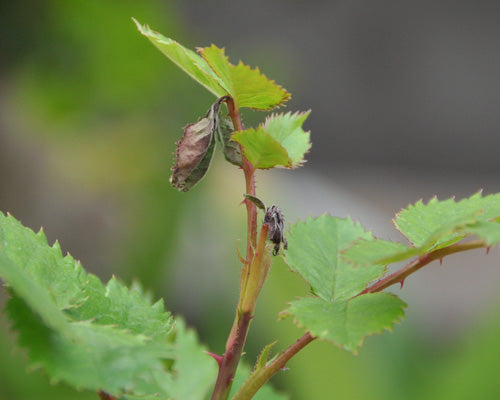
[
  {"x": 400, "y": 275},
  {"x": 261, "y": 375}
]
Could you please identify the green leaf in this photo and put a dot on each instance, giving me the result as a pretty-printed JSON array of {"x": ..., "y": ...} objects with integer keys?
[
  {"x": 217, "y": 60},
  {"x": 261, "y": 149},
  {"x": 263, "y": 358},
  {"x": 287, "y": 130},
  {"x": 430, "y": 227},
  {"x": 338, "y": 313},
  {"x": 195, "y": 371},
  {"x": 378, "y": 251},
  {"x": 190, "y": 62},
  {"x": 489, "y": 231},
  {"x": 93, "y": 336},
  {"x": 346, "y": 323},
  {"x": 280, "y": 141},
  {"x": 248, "y": 87},
  {"x": 438, "y": 223},
  {"x": 254, "y": 90},
  {"x": 314, "y": 252}
]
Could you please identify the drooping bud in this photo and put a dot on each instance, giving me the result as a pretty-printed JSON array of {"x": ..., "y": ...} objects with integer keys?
[{"x": 195, "y": 150}]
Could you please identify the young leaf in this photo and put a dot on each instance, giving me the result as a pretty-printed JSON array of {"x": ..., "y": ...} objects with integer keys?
[
  {"x": 431, "y": 227},
  {"x": 280, "y": 141},
  {"x": 287, "y": 130},
  {"x": 255, "y": 200},
  {"x": 248, "y": 87},
  {"x": 261, "y": 149},
  {"x": 314, "y": 252},
  {"x": 92, "y": 336},
  {"x": 190, "y": 62},
  {"x": 218, "y": 61},
  {"x": 254, "y": 90},
  {"x": 438, "y": 223},
  {"x": 348, "y": 322},
  {"x": 195, "y": 150},
  {"x": 489, "y": 231},
  {"x": 370, "y": 252}
]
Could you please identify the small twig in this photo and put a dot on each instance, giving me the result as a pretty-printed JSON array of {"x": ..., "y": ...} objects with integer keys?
[
  {"x": 261, "y": 375},
  {"x": 400, "y": 275}
]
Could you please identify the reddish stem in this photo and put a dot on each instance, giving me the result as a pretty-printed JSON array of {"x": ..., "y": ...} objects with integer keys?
[
  {"x": 105, "y": 396},
  {"x": 237, "y": 336},
  {"x": 261, "y": 375},
  {"x": 400, "y": 275}
]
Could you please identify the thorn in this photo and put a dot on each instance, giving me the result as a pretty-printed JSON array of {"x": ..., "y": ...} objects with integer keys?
[
  {"x": 285, "y": 369},
  {"x": 216, "y": 357},
  {"x": 242, "y": 260},
  {"x": 440, "y": 261},
  {"x": 401, "y": 282},
  {"x": 488, "y": 250}
]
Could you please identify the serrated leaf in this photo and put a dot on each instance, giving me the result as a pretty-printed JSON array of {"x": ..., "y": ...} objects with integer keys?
[
  {"x": 489, "y": 231},
  {"x": 254, "y": 90},
  {"x": 314, "y": 252},
  {"x": 248, "y": 87},
  {"x": 190, "y": 62},
  {"x": 287, "y": 130},
  {"x": 89, "y": 335},
  {"x": 347, "y": 323},
  {"x": 280, "y": 141},
  {"x": 369, "y": 252},
  {"x": 262, "y": 150},
  {"x": 195, "y": 371},
  {"x": 437, "y": 223},
  {"x": 218, "y": 61},
  {"x": 430, "y": 227},
  {"x": 262, "y": 360}
]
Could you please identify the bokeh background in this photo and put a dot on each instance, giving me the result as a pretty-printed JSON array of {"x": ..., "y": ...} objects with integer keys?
[{"x": 405, "y": 100}]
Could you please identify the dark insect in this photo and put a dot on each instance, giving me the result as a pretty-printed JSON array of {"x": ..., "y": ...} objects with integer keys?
[{"x": 276, "y": 221}]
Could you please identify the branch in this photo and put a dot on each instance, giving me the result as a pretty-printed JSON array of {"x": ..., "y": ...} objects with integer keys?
[
  {"x": 260, "y": 376},
  {"x": 400, "y": 275}
]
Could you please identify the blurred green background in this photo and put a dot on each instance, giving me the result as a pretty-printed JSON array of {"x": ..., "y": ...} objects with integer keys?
[{"x": 89, "y": 113}]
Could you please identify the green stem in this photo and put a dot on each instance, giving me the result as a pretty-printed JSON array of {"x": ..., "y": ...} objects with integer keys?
[{"x": 261, "y": 375}]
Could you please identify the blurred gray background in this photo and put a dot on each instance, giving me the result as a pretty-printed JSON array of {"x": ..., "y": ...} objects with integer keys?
[{"x": 405, "y": 105}]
